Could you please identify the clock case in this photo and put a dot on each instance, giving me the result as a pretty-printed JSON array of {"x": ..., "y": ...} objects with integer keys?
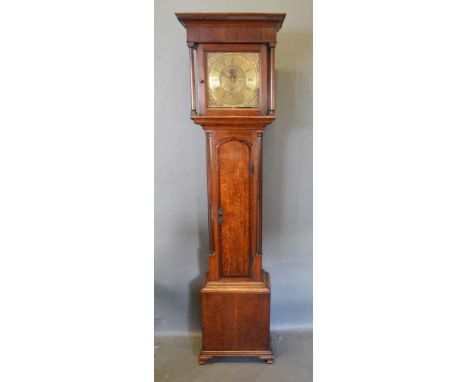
[{"x": 235, "y": 296}]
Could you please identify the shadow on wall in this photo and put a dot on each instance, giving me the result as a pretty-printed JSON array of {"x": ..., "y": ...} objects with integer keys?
[
  {"x": 293, "y": 114},
  {"x": 287, "y": 185},
  {"x": 194, "y": 312},
  {"x": 177, "y": 310}
]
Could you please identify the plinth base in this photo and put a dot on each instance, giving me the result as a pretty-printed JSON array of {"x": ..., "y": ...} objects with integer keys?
[
  {"x": 236, "y": 319},
  {"x": 205, "y": 355}
]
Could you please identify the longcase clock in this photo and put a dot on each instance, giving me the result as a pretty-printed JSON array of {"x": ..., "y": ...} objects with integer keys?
[{"x": 232, "y": 64}]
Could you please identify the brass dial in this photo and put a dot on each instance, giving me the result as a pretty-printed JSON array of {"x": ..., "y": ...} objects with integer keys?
[{"x": 233, "y": 79}]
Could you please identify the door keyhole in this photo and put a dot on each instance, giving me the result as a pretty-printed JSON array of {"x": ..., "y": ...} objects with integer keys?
[{"x": 220, "y": 214}]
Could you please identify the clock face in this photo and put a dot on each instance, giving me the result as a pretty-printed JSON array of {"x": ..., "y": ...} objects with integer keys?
[{"x": 234, "y": 79}]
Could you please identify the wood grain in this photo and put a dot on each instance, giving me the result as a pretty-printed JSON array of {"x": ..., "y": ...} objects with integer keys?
[
  {"x": 236, "y": 319},
  {"x": 234, "y": 160},
  {"x": 235, "y": 296}
]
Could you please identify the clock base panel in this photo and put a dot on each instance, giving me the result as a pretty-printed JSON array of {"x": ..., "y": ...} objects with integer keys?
[{"x": 236, "y": 319}]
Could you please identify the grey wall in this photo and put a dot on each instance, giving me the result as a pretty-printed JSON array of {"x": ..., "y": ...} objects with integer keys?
[{"x": 181, "y": 239}]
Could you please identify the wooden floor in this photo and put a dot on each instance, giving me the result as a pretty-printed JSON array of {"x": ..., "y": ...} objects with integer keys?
[{"x": 176, "y": 360}]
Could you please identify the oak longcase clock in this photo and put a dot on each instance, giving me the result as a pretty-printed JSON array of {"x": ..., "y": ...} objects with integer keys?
[{"x": 232, "y": 63}]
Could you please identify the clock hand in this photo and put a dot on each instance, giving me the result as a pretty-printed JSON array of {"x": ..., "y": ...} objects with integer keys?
[{"x": 232, "y": 74}]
